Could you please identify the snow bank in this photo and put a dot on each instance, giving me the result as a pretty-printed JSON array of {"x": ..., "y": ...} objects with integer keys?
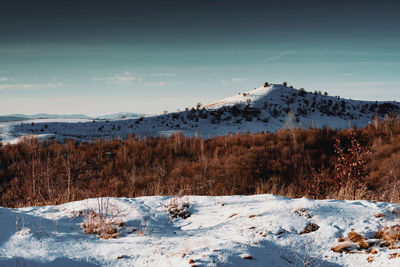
[{"x": 260, "y": 230}]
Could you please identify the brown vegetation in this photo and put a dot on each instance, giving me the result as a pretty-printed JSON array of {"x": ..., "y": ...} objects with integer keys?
[
  {"x": 342, "y": 248},
  {"x": 359, "y": 239},
  {"x": 355, "y": 237},
  {"x": 178, "y": 207},
  {"x": 248, "y": 257},
  {"x": 355, "y": 243},
  {"x": 390, "y": 236},
  {"x": 311, "y": 227},
  {"x": 104, "y": 221},
  {"x": 303, "y": 212},
  {"x": 292, "y": 162}
]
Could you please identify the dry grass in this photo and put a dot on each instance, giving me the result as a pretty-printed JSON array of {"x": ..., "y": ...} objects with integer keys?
[
  {"x": 303, "y": 212},
  {"x": 355, "y": 237},
  {"x": 354, "y": 241},
  {"x": 311, "y": 227},
  {"x": 379, "y": 215},
  {"x": 280, "y": 232},
  {"x": 104, "y": 221},
  {"x": 342, "y": 247},
  {"x": 363, "y": 244},
  {"x": 143, "y": 228},
  {"x": 51, "y": 173},
  {"x": 359, "y": 239},
  {"x": 247, "y": 257},
  {"x": 394, "y": 255},
  {"x": 178, "y": 207},
  {"x": 389, "y": 235},
  {"x": 372, "y": 251}
]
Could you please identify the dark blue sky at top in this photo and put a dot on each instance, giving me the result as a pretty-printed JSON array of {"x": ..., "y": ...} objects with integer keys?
[
  {"x": 174, "y": 22},
  {"x": 177, "y": 52}
]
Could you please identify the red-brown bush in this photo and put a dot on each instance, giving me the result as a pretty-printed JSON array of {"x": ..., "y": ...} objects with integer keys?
[{"x": 293, "y": 162}]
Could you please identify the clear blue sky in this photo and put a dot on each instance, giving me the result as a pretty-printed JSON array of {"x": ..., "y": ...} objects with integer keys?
[{"x": 101, "y": 57}]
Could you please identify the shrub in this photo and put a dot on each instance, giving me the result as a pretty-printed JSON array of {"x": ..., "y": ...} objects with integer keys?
[
  {"x": 103, "y": 221},
  {"x": 178, "y": 207},
  {"x": 390, "y": 236},
  {"x": 350, "y": 163},
  {"x": 50, "y": 173}
]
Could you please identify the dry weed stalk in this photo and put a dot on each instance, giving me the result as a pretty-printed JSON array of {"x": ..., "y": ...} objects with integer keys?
[
  {"x": 178, "y": 207},
  {"x": 105, "y": 220},
  {"x": 142, "y": 228}
]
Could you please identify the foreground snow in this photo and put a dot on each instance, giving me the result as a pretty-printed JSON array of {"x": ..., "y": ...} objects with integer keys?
[{"x": 221, "y": 231}]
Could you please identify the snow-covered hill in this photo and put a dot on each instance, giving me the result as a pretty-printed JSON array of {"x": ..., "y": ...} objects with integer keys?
[
  {"x": 263, "y": 109},
  {"x": 260, "y": 230}
]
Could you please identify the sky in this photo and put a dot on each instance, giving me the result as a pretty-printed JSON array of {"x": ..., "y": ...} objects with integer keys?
[{"x": 101, "y": 57}]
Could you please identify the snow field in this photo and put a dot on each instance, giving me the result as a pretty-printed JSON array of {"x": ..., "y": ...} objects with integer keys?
[{"x": 259, "y": 230}]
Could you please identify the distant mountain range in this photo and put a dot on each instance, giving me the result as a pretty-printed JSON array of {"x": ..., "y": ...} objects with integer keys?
[
  {"x": 21, "y": 117},
  {"x": 121, "y": 115},
  {"x": 265, "y": 109}
]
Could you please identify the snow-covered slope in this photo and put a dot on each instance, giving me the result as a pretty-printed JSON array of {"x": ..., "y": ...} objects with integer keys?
[
  {"x": 259, "y": 110},
  {"x": 260, "y": 230}
]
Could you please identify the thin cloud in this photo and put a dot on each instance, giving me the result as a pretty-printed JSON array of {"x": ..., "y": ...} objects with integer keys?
[
  {"x": 163, "y": 74},
  {"x": 154, "y": 84},
  {"x": 122, "y": 79},
  {"x": 366, "y": 83},
  {"x": 280, "y": 55},
  {"x": 29, "y": 86},
  {"x": 117, "y": 79},
  {"x": 128, "y": 73},
  {"x": 224, "y": 82},
  {"x": 4, "y": 79},
  {"x": 358, "y": 53}
]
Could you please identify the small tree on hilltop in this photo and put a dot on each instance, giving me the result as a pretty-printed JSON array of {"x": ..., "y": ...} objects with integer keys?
[
  {"x": 302, "y": 92},
  {"x": 248, "y": 101},
  {"x": 284, "y": 84},
  {"x": 350, "y": 162}
]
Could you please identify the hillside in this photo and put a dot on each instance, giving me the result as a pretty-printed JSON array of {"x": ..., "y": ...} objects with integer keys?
[
  {"x": 263, "y": 109},
  {"x": 260, "y": 230}
]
